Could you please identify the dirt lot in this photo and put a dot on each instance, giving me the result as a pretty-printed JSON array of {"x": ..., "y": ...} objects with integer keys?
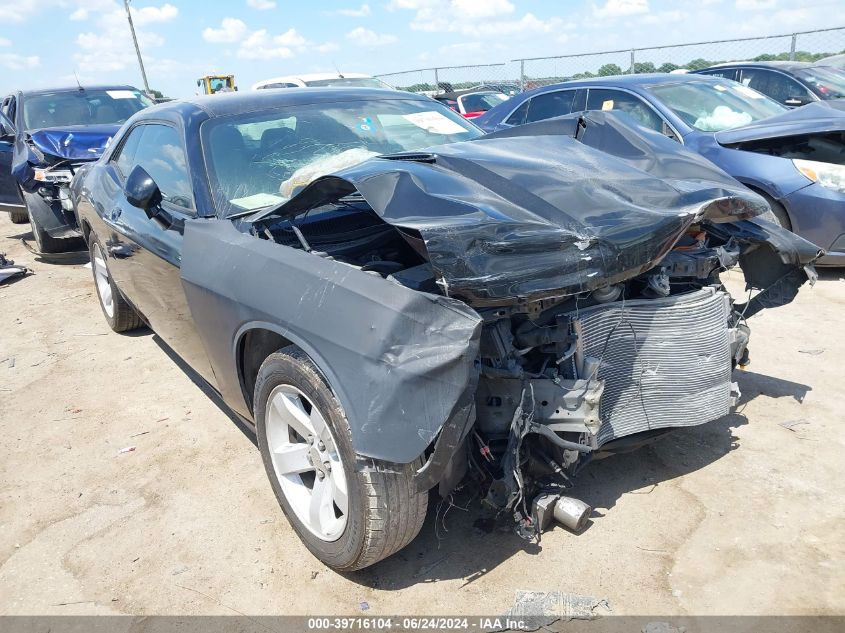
[{"x": 745, "y": 515}]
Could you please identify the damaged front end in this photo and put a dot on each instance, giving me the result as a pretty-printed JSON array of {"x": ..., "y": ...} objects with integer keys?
[
  {"x": 44, "y": 164},
  {"x": 592, "y": 255}
]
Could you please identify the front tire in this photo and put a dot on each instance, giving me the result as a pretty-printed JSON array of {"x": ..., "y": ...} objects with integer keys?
[
  {"x": 44, "y": 242},
  {"x": 350, "y": 515},
  {"x": 120, "y": 316},
  {"x": 19, "y": 217}
]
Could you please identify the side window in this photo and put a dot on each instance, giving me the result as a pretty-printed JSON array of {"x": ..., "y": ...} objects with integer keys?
[
  {"x": 123, "y": 159},
  {"x": 11, "y": 109},
  {"x": 518, "y": 116},
  {"x": 161, "y": 153},
  {"x": 550, "y": 104},
  {"x": 726, "y": 73},
  {"x": 633, "y": 106},
  {"x": 775, "y": 85}
]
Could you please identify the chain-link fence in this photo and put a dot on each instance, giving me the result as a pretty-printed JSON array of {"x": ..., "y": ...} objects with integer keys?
[
  {"x": 524, "y": 74},
  {"x": 448, "y": 78}
]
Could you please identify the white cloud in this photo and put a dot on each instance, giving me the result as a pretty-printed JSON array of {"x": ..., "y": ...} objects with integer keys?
[
  {"x": 755, "y": 5},
  {"x": 261, "y": 5},
  {"x": 361, "y": 12},
  {"x": 290, "y": 38},
  {"x": 472, "y": 9},
  {"x": 369, "y": 39},
  {"x": 663, "y": 17},
  {"x": 231, "y": 30},
  {"x": 13, "y": 61},
  {"x": 108, "y": 46},
  {"x": 528, "y": 23},
  {"x": 13, "y": 12},
  {"x": 326, "y": 47},
  {"x": 5, "y": 42},
  {"x": 472, "y": 18},
  {"x": 151, "y": 15},
  {"x": 618, "y": 8},
  {"x": 16, "y": 11},
  {"x": 259, "y": 45},
  {"x": 80, "y": 14}
]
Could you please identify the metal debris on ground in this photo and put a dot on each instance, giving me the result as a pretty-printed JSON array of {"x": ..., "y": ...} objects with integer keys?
[
  {"x": 8, "y": 269},
  {"x": 365, "y": 606},
  {"x": 812, "y": 352},
  {"x": 128, "y": 449},
  {"x": 537, "y": 609}
]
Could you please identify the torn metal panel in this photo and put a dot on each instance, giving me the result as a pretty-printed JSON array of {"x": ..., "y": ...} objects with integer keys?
[
  {"x": 773, "y": 260},
  {"x": 401, "y": 362},
  {"x": 518, "y": 215}
]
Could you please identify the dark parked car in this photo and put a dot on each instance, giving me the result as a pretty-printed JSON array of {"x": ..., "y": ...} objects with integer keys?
[
  {"x": 391, "y": 317},
  {"x": 793, "y": 158},
  {"x": 790, "y": 83},
  {"x": 46, "y": 135}
]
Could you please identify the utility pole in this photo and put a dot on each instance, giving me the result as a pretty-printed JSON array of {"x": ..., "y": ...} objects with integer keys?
[{"x": 137, "y": 50}]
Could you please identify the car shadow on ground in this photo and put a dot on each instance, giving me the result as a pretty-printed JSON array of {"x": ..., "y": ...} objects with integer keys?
[
  {"x": 203, "y": 386},
  {"x": 452, "y": 544},
  {"x": 831, "y": 273},
  {"x": 73, "y": 257}
]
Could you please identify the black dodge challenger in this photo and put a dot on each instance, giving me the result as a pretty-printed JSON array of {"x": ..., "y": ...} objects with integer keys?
[{"x": 399, "y": 303}]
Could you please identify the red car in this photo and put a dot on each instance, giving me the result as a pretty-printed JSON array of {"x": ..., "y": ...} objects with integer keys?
[{"x": 471, "y": 103}]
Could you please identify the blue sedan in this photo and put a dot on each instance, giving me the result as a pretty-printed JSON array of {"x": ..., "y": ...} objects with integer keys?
[{"x": 793, "y": 158}]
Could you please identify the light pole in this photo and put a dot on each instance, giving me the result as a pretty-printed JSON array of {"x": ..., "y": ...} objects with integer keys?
[{"x": 137, "y": 50}]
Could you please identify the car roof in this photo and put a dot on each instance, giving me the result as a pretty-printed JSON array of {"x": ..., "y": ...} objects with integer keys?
[
  {"x": 460, "y": 93},
  {"x": 780, "y": 65},
  {"x": 49, "y": 91},
  {"x": 226, "y": 104},
  {"x": 312, "y": 77},
  {"x": 644, "y": 79}
]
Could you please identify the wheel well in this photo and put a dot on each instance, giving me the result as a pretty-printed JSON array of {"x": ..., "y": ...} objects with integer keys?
[
  {"x": 254, "y": 347},
  {"x": 774, "y": 204},
  {"x": 86, "y": 230}
]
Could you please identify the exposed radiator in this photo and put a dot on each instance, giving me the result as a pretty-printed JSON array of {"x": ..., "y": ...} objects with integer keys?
[{"x": 665, "y": 362}]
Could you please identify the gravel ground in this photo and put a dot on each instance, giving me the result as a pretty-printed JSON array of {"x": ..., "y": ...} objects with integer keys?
[{"x": 744, "y": 515}]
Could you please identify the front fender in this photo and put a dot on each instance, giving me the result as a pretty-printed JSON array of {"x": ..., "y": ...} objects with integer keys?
[{"x": 401, "y": 362}]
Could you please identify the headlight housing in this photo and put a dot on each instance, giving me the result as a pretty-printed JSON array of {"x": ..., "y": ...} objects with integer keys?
[
  {"x": 827, "y": 175},
  {"x": 52, "y": 175}
]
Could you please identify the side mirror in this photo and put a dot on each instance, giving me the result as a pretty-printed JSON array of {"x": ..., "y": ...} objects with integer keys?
[{"x": 142, "y": 191}]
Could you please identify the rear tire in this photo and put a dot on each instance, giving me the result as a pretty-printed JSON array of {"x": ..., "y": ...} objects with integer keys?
[
  {"x": 19, "y": 217},
  {"x": 383, "y": 509},
  {"x": 120, "y": 316}
]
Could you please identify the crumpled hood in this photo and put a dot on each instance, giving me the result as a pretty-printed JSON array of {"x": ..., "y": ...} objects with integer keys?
[
  {"x": 554, "y": 207},
  {"x": 74, "y": 142},
  {"x": 813, "y": 118}
]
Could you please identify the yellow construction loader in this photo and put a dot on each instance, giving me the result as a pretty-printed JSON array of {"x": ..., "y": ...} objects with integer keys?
[{"x": 213, "y": 84}]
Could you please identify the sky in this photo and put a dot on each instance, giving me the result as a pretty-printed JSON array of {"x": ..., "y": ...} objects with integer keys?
[{"x": 47, "y": 43}]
